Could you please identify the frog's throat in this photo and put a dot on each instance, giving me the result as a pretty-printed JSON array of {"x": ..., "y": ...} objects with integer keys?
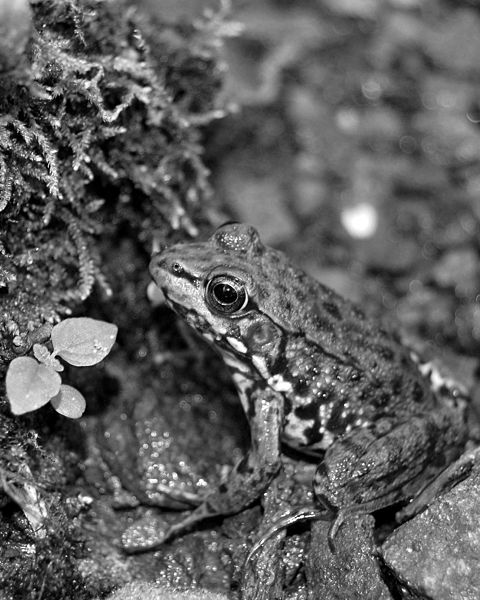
[
  {"x": 243, "y": 372},
  {"x": 237, "y": 357},
  {"x": 234, "y": 352}
]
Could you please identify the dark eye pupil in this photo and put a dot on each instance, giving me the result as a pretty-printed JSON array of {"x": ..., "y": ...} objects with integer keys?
[{"x": 225, "y": 293}]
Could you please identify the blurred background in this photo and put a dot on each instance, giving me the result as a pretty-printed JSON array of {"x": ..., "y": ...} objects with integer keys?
[{"x": 349, "y": 135}]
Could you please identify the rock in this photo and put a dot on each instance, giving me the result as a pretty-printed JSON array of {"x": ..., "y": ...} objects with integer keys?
[
  {"x": 379, "y": 125},
  {"x": 323, "y": 140},
  {"x": 353, "y": 571},
  {"x": 275, "y": 564},
  {"x": 309, "y": 192},
  {"x": 363, "y": 9},
  {"x": 401, "y": 30},
  {"x": 458, "y": 268},
  {"x": 425, "y": 309},
  {"x": 441, "y": 93},
  {"x": 447, "y": 136},
  {"x": 269, "y": 41},
  {"x": 436, "y": 555},
  {"x": 151, "y": 591},
  {"x": 468, "y": 317},
  {"x": 455, "y": 42}
]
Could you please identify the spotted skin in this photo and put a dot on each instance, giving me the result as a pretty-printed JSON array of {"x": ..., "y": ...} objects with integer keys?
[{"x": 349, "y": 390}]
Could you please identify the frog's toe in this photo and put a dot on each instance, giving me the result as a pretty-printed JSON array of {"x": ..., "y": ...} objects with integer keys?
[
  {"x": 296, "y": 516},
  {"x": 146, "y": 534},
  {"x": 333, "y": 530},
  {"x": 164, "y": 496},
  {"x": 151, "y": 532}
]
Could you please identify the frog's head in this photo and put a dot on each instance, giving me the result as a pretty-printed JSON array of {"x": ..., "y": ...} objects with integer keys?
[{"x": 227, "y": 288}]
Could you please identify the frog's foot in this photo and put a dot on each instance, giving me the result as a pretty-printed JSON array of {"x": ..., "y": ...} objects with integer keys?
[
  {"x": 252, "y": 475},
  {"x": 153, "y": 531},
  {"x": 147, "y": 533},
  {"x": 244, "y": 486},
  {"x": 325, "y": 513},
  {"x": 166, "y": 496},
  {"x": 347, "y": 511},
  {"x": 296, "y": 516},
  {"x": 246, "y": 482}
]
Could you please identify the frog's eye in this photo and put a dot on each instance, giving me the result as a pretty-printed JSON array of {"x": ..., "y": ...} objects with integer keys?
[{"x": 226, "y": 294}]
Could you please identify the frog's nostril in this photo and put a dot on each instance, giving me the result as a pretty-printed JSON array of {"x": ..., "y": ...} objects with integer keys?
[
  {"x": 177, "y": 268},
  {"x": 159, "y": 264}
]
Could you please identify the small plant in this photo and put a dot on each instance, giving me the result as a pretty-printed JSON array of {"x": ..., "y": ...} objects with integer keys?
[{"x": 32, "y": 382}]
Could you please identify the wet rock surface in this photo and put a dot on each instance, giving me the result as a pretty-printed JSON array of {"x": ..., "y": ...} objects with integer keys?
[
  {"x": 151, "y": 591},
  {"x": 276, "y": 568},
  {"x": 436, "y": 555},
  {"x": 352, "y": 571}
]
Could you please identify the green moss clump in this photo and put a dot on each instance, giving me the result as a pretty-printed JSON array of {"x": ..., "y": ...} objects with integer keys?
[
  {"x": 94, "y": 139},
  {"x": 99, "y": 157}
]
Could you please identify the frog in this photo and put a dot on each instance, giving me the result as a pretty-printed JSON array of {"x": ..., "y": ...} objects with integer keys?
[{"x": 315, "y": 374}]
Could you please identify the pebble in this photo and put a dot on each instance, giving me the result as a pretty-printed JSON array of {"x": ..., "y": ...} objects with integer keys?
[{"x": 436, "y": 555}]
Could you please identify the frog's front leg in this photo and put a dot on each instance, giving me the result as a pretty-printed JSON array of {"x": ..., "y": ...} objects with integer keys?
[
  {"x": 391, "y": 460},
  {"x": 248, "y": 480},
  {"x": 252, "y": 475}
]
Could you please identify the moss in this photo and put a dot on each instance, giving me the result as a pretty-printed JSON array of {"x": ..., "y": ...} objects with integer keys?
[
  {"x": 94, "y": 136},
  {"x": 99, "y": 157},
  {"x": 49, "y": 568},
  {"x": 34, "y": 564}
]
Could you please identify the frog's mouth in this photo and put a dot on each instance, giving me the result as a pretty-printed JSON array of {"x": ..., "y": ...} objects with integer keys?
[
  {"x": 228, "y": 346},
  {"x": 234, "y": 352},
  {"x": 189, "y": 315}
]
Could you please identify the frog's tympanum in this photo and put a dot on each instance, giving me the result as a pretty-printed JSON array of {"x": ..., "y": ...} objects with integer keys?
[{"x": 313, "y": 373}]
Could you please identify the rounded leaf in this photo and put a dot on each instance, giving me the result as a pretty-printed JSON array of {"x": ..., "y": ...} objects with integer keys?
[
  {"x": 83, "y": 341},
  {"x": 69, "y": 402},
  {"x": 30, "y": 385}
]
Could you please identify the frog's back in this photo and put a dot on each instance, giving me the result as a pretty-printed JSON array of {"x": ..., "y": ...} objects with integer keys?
[
  {"x": 300, "y": 303},
  {"x": 357, "y": 360}
]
